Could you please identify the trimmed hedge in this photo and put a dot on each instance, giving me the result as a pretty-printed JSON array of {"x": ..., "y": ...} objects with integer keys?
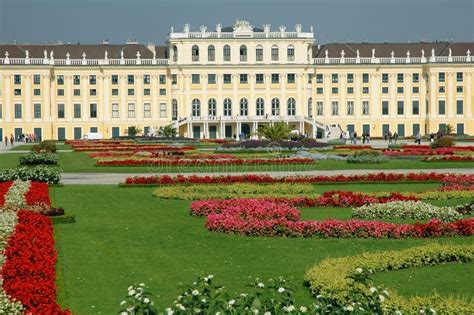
[
  {"x": 40, "y": 173},
  {"x": 367, "y": 157},
  {"x": 34, "y": 158},
  {"x": 334, "y": 276}
]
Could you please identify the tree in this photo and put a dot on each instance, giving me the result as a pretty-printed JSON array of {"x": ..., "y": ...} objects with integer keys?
[
  {"x": 167, "y": 131},
  {"x": 279, "y": 131},
  {"x": 449, "y": 129},
  {"x": 132, "y": 131}
]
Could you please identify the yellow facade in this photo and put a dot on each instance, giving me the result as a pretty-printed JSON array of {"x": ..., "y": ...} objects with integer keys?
[{"x": 226, "y": 83}]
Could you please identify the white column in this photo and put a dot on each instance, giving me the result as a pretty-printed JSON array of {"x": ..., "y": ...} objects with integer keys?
[
  {"x": 85, "y": 99},
  {"x": 155, "y": 112},
  {"x": 69, "y": 110},
  {"x": 106, "y": 97},
  {"x": 123, "y": 98},
  {"x": 450, "y": 95},
  {"x": 358, "y": 102},
  {"x": 327, "y": 106},
  {"x": 8, "y": 101},
  {"x": 433, "y": 111},
  {"x": 47, "y": 83},
  {"x": 469, "y": 88},
  {"x": 393, "y": 101},
  {"x": 28, "y": 104}
]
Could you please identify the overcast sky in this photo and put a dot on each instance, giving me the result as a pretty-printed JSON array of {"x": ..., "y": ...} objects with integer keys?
[{"x": 90, "y": 21}]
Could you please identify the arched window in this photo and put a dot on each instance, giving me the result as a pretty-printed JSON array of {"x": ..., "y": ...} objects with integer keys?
[
  {"x": 227, "y": 107},
  {"x": 196, "y": 107},
  {"x": 310, "y": 107},
  {"x": 260, "y": 106},
  {"x": 212, "y": 107},
  {"x": 175, "y": 54},
  {"x": 195, "y": 53},
  {"x": 290, "y": 53},
  {"x": 174, "y": 109},
  {"x": 244, "y": 107},
  {"x": 291, "y": 106},
  {"x": 226, "y": 53},
  {"x": 274, "y": 53},
  {"x": 211, "y": 53},
  {"x": 259, "y": 53},
  {"x": 243, "y": 53},
  {"x": 275, "y": 107}
]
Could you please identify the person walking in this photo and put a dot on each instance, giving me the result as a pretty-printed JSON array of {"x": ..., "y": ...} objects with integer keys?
[
  {"x": 355, "y": 137},
  {"x": 6, "y": 141},
  {"x": 418, "y": 138},
  {"x": 390, "y": 137},
  {"x": 367, "y": 138},
  {"x": 363, "y": 138},
  {"x": 395, "y": 137},
  {"x": 12, "y": 139},
  {"x": 385, "y": 136}
]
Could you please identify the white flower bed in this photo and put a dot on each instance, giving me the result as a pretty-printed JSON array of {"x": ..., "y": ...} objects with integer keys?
[
  {"x": 15, "y": 197},
  {"x": 416, "y": 210}
]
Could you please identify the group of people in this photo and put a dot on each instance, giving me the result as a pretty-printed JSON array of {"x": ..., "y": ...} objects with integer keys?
[
  {"x": 390, "y": 137},
  {"x": 27, "y": 138},
  {"x": 352, "y": 135},
  {"x": 11, "y": 139}
]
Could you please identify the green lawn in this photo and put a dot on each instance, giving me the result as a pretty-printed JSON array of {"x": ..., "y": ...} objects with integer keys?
[
  {"x": 28, "y": 146},
  {"x": 124, "y": 236},
  {"x": 79, "y": 162}
]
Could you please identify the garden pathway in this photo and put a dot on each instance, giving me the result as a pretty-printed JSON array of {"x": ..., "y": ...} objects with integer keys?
[{"x": 116, "y": 178}]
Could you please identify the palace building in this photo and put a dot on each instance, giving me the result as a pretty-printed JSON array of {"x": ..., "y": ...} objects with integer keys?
[{"x": 227, "y": 82}]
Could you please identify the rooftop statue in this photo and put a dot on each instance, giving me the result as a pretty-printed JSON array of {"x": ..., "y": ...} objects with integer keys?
[{"x": 242, "y": 26}]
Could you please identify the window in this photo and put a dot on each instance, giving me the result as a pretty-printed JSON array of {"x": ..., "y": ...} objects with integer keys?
[
  {"x": 350, "y": 78},
  {"x": 226, "y": 53},
  {"x": 115, "y": 110},
  {"x": 131, "y": 110},
  {"x": 365, "y": 78},
  {"x": 350, "y": 90},
  {"x": 92, "y": 92},
  {"x": 114, "y": 79},
  {"x": 36, "y": 79},
  {"x": 260, "y": 106},
  {"x": 459, "y": 89},
  {"x": 274, "y": 53},
  {"x": 441, "y": 89},
  {"x": 18, "y": 111},
  {"x": 243, "y": 53},
  {"x": 163, "y": 113},
  {"x": 195, "y": 53},
  {"x": 146, "y": 92},
  {"x": 350, "y": 108},
  {"x": 131, "y": 92},
  {"x": 384, "y": 77},
  {"x": 212, "y": 107},
  {"x": 60, "y": 92},
  {"x": 227, "y": 107},
  {"x": 291, "y": 103},
  {"x": 60, "y": 110},
  {"x": 319, "y": 108},
  {"x": 400, "y": 89},
  {"x": 162, "y": 79},
  {"x": 196, "y": 107},
  {"x": 211, "y": 53},
  {"x": 385, "y": 108},
  {"x": 175, "y": 53},
  {"x": 93, "y": 79},
  {"x": 130, "y": 79},
  {"x": 310, "y": 78},
  {"x": 259, "y": 78},
  {"x": 365, "y": 108},
  {"x": 259, "y": 53},
  {"x": 415, "y": 90},
  {"x": 93, "y": 110},
  {"x": 115, "y": 92},
  {"x": 227, "y": 79},
  {"x": 290, "y": 53},
  {"x": 146, "y": 110},
  {"x": 174, "y": 109},
  {"x": 60, "y": 79},
  {"x": 335, "y": 78},
  {"x": 416, "y": 77},
  {"x": 415, "y": 107},
  {"x": 400, "y": 77},
  {"x": 36, "y": 111},
  {"x": 211, "y": 79},
  {"x": 459, "y": 77},
  {"x": 334, "y": 90},
  {"x": 36, "y": 92},
  {"x": 385, "y": 90},
  {"x": 310, "y": 107},
  {"x": 400, "y": 108},
  {"x": 77, "y": 110},
  {"x": 244, "y": 79},
  {"x": 275, "y": 78},
  {"x": 275, "y": 107},
  {"x": 365, "y": 90},
  {"x": 290, "y": 78},
  {"x": 77, "y": 92},
  {"x": 174, "y": 79},
  {"x": 244, "y": 107},
  {"x": 146, "y": 79},
  {"x": 17, "y": 79},
  {"x": 195, "y": 78},
  {"x": 441, "y": 77},
  {"x": 17, "y": 92},
  {"x": 319, "y": 90},
  {"x": 459, "y": 107},
  {"x": 76, "y": 79},
  {"x": 335, "y": 108},
  {"x": 319, "y": 78}
]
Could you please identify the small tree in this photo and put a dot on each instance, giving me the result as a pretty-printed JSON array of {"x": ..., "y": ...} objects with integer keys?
[
  {"x": 167, "y": 131},
  {"x": 132, "y": 131},
  {"x": 449, "y": 129},
  {"x": 279, "y": 131}
]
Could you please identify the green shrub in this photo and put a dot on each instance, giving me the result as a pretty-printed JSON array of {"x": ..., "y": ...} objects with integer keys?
[
  {"x": 443, "y": 142},
  {"x": 337, "y": 142},
  {"x": 45, "y": 146},
  {"x": 44, "y": 158},
  {"x": 367, "y": 157},
  {"x": 40, "y": 173}
]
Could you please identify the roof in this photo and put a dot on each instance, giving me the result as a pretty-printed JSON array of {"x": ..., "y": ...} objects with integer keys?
[
  {"x": 384, "y": 50},
  {"x": 92, "y": 51},
  {"x": 230, "y": 29}
]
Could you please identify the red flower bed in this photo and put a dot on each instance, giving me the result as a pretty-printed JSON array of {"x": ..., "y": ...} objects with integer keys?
[
  {"x": 29, "y": 273},
  {"x": 257, "y": 217},
  {"x": 426, "y": 150},
  {"x": 207, "y": 161},
  {"x": 4, "y": 187},
  {"x": 250, "y": 178},
  {"x": 38, "y": 194},
  {"x": 449, "y": 158}
]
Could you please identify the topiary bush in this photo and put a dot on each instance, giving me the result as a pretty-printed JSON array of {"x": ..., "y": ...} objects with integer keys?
[
  {"x": 443, "y": 142},
  {"x": 45, "y": 146}
]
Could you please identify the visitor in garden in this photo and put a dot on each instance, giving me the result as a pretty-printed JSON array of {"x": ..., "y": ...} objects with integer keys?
[
  {"x": 385, "y": 136},
  {"x": 355, "y": 137},
  {"x": 6, "y": 141},
  {"x": 367, "y": 137},
  {"x": 390, "y": 136},
  {"x": 12, "y": 139},
  {"x": 418, "y": 138},
  {"x": 363, "y": 138},
  {"x": 395, "y": 137}
]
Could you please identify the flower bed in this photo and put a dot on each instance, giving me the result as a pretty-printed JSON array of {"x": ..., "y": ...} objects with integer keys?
[
  {"x": 45, "y": 158},
  {"x": 39, "y": 173},
  {"x": 449, "y": 158},
  {"x": 4, "y": 187},
  {"x": 26, "y": 195},
  {"x": 405, "y": 210},
  {"x": 38, "y": 194},
  {"x": 268, "y": 144},
  {"x": 426, "y": 150}
]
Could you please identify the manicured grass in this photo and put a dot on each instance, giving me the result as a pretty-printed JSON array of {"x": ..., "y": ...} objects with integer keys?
[
  {"x": 124, "y": 236},
  {"x": 28, "y": 146}
]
